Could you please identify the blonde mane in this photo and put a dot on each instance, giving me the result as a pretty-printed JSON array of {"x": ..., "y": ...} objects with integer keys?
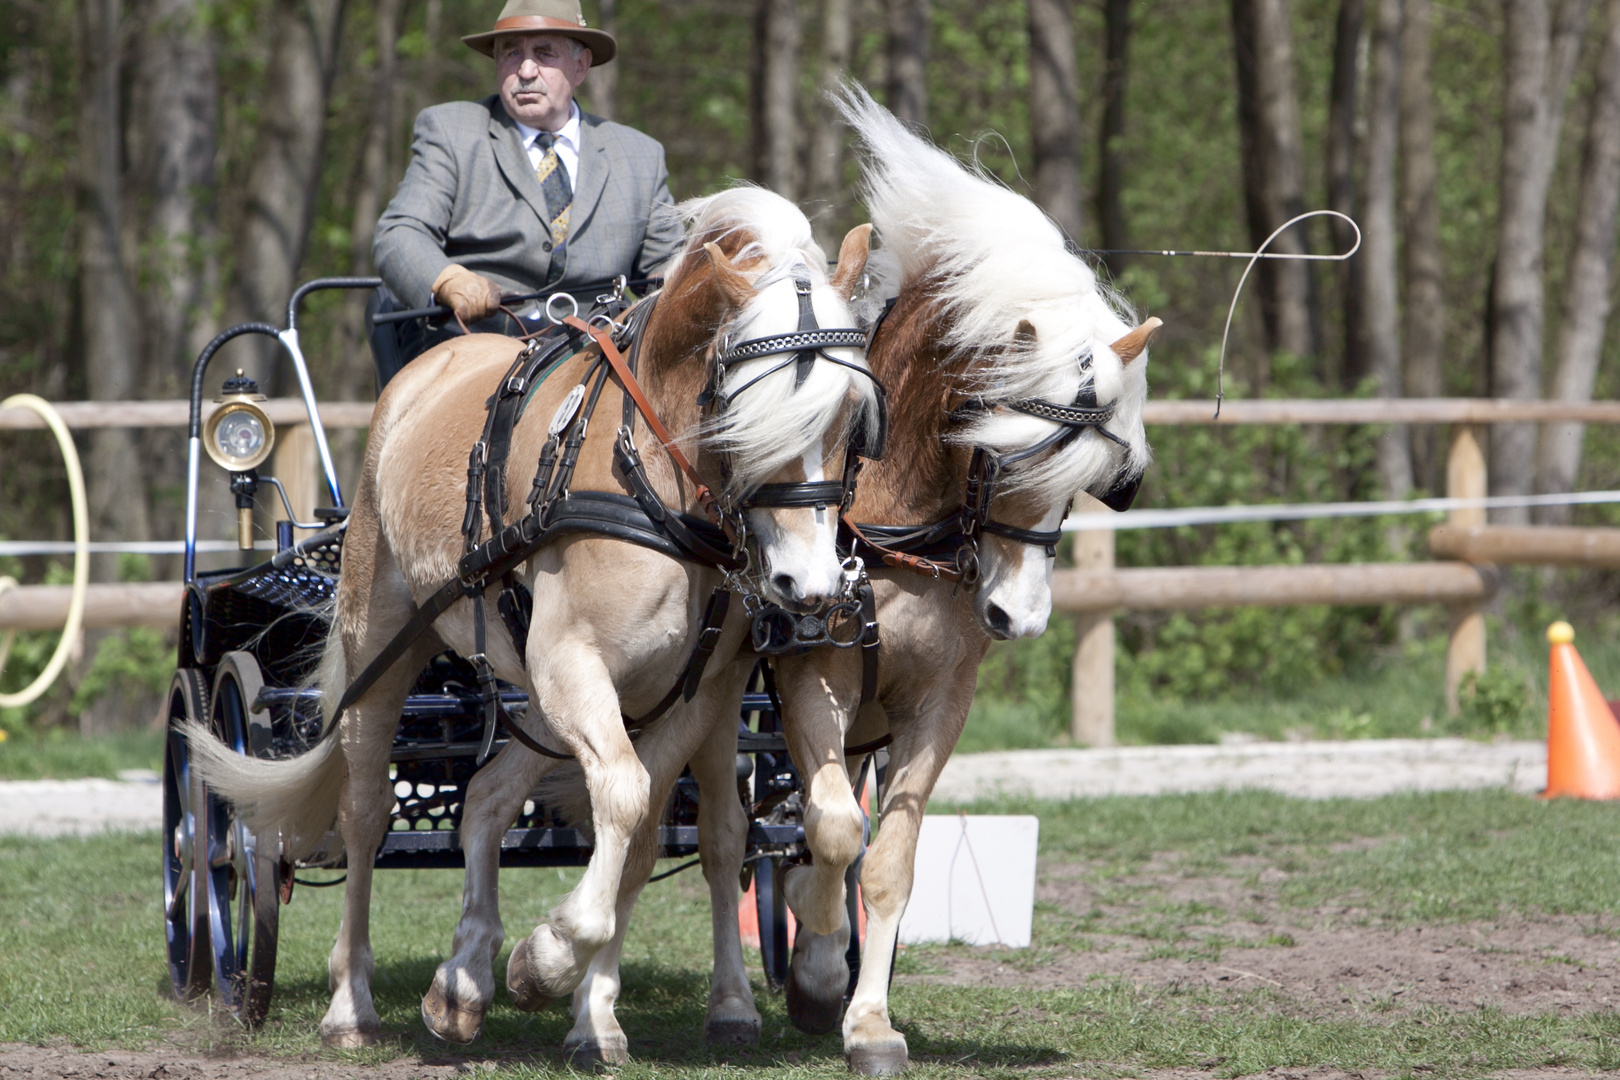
[
  {"x": 994, "y": 259},
  {"x": 777, "y": 421}
]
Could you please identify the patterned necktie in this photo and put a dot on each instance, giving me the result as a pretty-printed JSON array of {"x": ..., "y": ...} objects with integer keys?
[{"x": 554, "y": 183}]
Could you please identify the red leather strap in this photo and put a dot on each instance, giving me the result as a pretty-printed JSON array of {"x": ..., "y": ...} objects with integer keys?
[
  {"x": 900, "y": 560},
  {"x": 627, "y": 381}
]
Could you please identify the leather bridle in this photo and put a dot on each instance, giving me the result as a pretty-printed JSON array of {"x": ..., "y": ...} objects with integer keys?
[{"x": 949, "y": 548}]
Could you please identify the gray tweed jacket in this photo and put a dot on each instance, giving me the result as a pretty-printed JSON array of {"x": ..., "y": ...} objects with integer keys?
[{"x": 471, "y": 197}]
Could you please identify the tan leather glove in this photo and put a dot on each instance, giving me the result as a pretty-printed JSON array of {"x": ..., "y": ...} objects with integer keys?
[{"x": 471, "y": 296}]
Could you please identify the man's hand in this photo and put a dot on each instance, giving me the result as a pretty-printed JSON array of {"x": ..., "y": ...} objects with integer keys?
[{"x": 471, "y": 296}]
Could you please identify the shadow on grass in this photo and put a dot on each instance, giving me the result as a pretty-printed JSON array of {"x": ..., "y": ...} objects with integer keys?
[{"x": 661, "y": 1010}]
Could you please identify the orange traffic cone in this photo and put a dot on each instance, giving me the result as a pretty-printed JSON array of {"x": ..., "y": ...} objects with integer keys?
[{"x": 1583, "y": 740}]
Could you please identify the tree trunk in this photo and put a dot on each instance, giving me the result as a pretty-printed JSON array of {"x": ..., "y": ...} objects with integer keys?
[
  {"x": 776, "y": 86},
  {"x": 117, "y": 484},
  {"x": 1378, "y": 258},
  {"x": 1588, "y": 285},
  {"x": 1054, "y": 113},
  {"x": 1539, "y": 62},
  {"x": 1111, "y": 142},
  {"x": 173, "y": 141},
  {"x": 1268, "y": 111},
  {"x": 279, "y": 200},
  {"x": 825, "y": 180},
  {"x": 1341, "y": 180},
  {"x": 1423, "y": 326},
  {"x": 908, "y": 28},
  {"x": 377, "y": 172},
  {"x": 604, "y": 80}
]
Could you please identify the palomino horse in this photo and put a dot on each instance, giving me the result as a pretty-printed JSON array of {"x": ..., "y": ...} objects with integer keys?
[
  {"x": 613, "y": 621},
  {"x": 997, "y": 330}
]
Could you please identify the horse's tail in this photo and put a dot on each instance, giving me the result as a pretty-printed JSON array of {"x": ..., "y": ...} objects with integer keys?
[
  {"x": 563, "y": 792},
  {"x": 296, "y": 797}
]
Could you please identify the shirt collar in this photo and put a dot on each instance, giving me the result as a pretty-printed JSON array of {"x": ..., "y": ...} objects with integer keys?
[{"x": 568, "y": 134}]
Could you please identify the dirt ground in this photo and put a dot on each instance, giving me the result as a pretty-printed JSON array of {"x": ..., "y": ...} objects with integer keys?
[
  {"x": 51, "y": 1063},
  {"x": 1322, "y": 961}
]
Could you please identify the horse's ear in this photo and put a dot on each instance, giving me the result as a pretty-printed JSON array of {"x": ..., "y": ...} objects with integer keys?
[
  {"x": 1025, "y": 334},
  {"x": 852, "y": 255},
  {"x": 736, "y": 287},
  {"x": 1131, "y": 346}
]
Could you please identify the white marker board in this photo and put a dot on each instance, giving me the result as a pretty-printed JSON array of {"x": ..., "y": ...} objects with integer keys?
[{"x": 974, "y": 882}]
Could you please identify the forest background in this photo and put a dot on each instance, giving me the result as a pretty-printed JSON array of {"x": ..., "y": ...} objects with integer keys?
[{"x": 172, "y": 167}]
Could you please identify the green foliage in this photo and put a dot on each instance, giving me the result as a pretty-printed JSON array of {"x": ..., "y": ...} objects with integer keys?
[
  {"x": 134, "y": 659},
  {"x": 1496, "y": 702}
]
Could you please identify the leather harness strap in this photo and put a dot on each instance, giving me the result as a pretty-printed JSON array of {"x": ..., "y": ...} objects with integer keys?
[{"x": 628, "y": 383}]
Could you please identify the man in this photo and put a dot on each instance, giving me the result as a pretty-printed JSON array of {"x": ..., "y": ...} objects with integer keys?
[{"x": 520, "y": 192}]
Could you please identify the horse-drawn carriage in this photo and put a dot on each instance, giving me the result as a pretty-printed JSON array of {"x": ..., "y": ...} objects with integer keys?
[
  {"x": 1013, "y": 392},
  {"x": 249, "y": 639}
]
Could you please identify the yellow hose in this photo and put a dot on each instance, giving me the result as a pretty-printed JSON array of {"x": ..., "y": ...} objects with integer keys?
[{"x": 81, "y": 556}]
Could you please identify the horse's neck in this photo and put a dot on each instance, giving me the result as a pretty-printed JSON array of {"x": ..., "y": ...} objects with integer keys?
[
  {"x": 672, "y": 371},
  {"x": 917, "y": 482}
]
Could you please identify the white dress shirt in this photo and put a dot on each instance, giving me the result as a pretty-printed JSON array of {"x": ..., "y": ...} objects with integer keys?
[{"x": 567, "y": 145}]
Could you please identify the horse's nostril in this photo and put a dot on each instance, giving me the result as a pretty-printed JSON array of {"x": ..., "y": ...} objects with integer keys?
[
  {"x": 999, "y": 621},
  {"x": 785, "y": 586}
]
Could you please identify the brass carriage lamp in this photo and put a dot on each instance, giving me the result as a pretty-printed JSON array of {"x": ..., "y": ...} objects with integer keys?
[{"x": 239, "y": 437}]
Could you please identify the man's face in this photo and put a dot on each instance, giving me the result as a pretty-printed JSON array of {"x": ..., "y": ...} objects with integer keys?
[{"x": 538, "y": 74}]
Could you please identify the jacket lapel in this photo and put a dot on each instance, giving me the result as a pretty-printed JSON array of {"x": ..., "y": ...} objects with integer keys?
[
  {"x": 514, "y": 161},
  {"x": 593, "y": 171}
]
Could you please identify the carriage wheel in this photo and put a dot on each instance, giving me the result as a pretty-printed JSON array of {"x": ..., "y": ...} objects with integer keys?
[
  {"x": 244, "y": 933},
  {"x": 185, "y": 876},
  {"x": 770, "y": 904}
]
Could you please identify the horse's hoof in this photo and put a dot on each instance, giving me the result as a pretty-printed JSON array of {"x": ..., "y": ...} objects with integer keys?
[
  {"x": 525, "y": 995},
  {"x": 731, "y": 1032},
  {"x": 354, "y": 1038},
  {"x": 596, "y": 1054},
  {"x": 812, "y": 1015},
  {"x": 877, "y": 1060},
  {"x": 449, "y": 1020}
]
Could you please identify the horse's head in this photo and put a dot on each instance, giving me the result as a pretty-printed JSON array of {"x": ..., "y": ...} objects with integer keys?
[
  {"x": 788, "y": 389},
  {"x": 1027, "y": 456},
  {"x": 1017, "y": 386}
]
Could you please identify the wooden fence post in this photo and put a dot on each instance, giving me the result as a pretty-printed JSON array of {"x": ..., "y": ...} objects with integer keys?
[
  {"x": 1465, "y": 479},
  {"x": 298, "y": 468},
  {"x": 1091, "y": 689}
]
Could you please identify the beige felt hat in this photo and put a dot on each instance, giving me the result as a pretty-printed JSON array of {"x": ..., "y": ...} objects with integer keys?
[{"x": 546, "y": 16}]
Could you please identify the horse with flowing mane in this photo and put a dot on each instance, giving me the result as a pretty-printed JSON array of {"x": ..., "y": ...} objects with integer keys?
[
  {"x": 613, "y": 621},
  {"x": 1015, "y": 387}
]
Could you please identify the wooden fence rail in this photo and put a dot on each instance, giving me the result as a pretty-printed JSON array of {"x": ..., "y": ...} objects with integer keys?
[
  {"x": 81, "y": 415},
  {"x": 1094, "y": 590}
]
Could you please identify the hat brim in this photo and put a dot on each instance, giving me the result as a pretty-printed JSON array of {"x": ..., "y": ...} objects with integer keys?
[{"x": 603, "y": 47}]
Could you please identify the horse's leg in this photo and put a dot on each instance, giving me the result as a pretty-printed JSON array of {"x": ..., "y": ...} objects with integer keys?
[
  {"x": 815, "y": 689},
  {"x": 596, "y": 1035},
  {"x": 732, "y": 1018},
  {"x": 575, "y": 692},
  {"x": 464, "y": 985},
  {"x": 923, "y": 739},
  {"x": 367, "y": 799}
]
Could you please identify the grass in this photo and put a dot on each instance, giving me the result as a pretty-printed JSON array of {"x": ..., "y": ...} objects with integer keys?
[
  {"x": 1436, "y": 857},
  {"x": 81, "y": 955},
  {"x": 57, "y": 753}
]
